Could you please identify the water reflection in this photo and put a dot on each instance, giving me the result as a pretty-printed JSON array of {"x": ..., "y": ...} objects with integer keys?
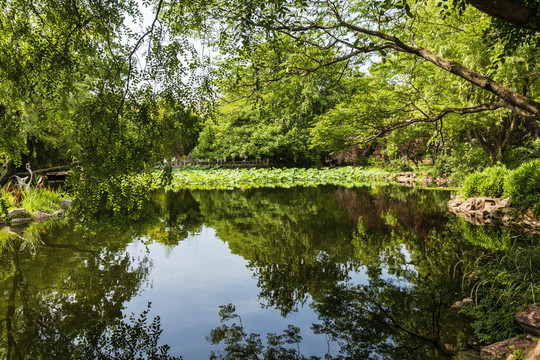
[
  {"x": 379, "y": 268},
  {"x": 65, "y": 289}
]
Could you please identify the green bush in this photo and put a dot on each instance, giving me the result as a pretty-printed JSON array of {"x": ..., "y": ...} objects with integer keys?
[
  {"x": 457, "y": 166},
  {"x": 127, "y": 197},
  {"x": 518, "y": 155},
  {"x": 401, "y": 164},
  {"x": 523, "y": 186},
  {"x": 490, "y": 182}
]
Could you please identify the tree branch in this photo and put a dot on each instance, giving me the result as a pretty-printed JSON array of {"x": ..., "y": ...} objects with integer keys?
[{"x": 460, "y": 111}]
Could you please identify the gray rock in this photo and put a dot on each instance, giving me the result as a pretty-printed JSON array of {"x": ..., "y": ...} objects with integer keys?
[
  {"x": 58, "y": 213},
  {"x": 18, "y": 213},
  {"x": 529, "y": 319},
  {"x": 461, "y": 304},
  {"x": 454, "y": 203},
  {"x": 21, "y": 221},
  {"x": 66, "y": 202},
  {"x": 42, "y": 215},
  {"x": 534, "y": 224},
  {"x": 532, "y": 352}
]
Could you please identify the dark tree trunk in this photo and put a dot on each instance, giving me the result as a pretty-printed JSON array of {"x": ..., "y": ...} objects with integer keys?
[
  {"x": 510, "y": 11},
  {"x": 9, "y": 172}
]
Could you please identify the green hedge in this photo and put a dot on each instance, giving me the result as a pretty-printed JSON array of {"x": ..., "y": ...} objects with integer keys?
[
  {"x": 521, "y": 185},
  {"x": 489, "y": 182}
]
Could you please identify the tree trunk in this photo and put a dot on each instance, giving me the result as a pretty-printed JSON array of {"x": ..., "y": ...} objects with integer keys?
[
  {"x": 510, "y": 11},
  {"x": 518, "y": 103},
  {"x": 10, "y": 171}
]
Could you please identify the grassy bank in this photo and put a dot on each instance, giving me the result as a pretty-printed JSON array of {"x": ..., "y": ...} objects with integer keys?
[{"x": 44, "y": 200}]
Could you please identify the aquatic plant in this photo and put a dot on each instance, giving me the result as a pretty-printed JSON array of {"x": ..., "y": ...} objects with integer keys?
[{"x": 216, "y": 178}]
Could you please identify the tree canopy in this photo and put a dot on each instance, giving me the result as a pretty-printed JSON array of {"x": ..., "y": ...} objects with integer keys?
[{"x": 297, "y": 81}]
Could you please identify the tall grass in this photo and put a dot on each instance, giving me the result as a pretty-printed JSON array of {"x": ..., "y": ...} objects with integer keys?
[{"x": 44, "y": 200}]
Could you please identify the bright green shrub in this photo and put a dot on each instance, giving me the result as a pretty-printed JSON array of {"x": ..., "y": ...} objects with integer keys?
[
  {"x": 490, "y": 182},
  {"x": 523, "y": 186},
  {"x": 401, "y": 164}
]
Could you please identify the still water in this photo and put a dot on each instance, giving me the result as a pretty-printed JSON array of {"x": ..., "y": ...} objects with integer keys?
[{"x": 359, "y": 273}]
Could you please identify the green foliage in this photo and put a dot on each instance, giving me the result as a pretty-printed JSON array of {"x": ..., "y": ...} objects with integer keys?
[
  {"x": 6, "y": 200},
  {"x": 275, "y": 124},
  {"x": 166, "y": 176},
  {"x": 42, "y": 199},
  {"x": 461, "y": 163},
  {"x": 502, "y": 285},
  {"x": 128, "y": 196},
  {"x": 490, "y": 182},
  {"x": 523, "y": 186},
  {"x": 45, "y": 200},
  {"x": 519, "y": 155},
  {"x": 398, "y": 165}
]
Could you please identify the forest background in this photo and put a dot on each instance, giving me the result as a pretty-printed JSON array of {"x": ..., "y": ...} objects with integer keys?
[{"x": 301, "y": 83}]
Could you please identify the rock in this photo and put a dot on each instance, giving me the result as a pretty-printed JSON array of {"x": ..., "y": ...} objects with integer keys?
[
  {"x": 532, "y": 352},
  {"x": 66, "y": 202},
  {"x": 468, "y": 205},
  {"x": 504, "y": 347},
  {"x": 428, "y": 180},
  {"x": 505, "y": 202},
  {"x": 461, "y": 304},
  {"x": 486, "y": 214},
  {"x": 18, "y": 213},
  {"x": 21, "y": 221},
  {"x": 42, "y": 215},
  {"x": 534, "y": 224},
  {"x": 479, "y": 203},
  {"x": 486, "y": 210},
  {"x": 441, "y": 181},
  {"x": 529, "y": 319},
  {"x": 406, "y": 174},
  {"x": 456, "y": 202},
  {"x": 58, "y": 213}
]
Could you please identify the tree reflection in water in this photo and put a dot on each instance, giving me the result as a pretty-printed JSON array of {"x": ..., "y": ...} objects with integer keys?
[
  {"x": 307, "y": 243},
  {"x": 58, "y": 300},
  {"x": 379, "y": 266}
]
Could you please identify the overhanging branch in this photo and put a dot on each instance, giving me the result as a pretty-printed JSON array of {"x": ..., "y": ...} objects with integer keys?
[{"x": 460, "y": 111}]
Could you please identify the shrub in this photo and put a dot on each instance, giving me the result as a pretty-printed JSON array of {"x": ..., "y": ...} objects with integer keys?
[
  {"x": 490, "y": 182},
  {"x": 523, "y": 186},
  {"x": 516, "y": 156},
  {"x": 459, "y": 165},
  {"x": 401, "y": 164}
]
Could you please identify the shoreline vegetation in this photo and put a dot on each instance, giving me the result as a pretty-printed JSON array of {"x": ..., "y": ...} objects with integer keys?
[{"x": 520, "y": 186}]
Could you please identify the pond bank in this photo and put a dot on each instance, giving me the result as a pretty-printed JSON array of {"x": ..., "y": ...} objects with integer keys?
[
  {"x": 20, "y": 217},
  {"x": 525, "y": 345},
  {"x": 487, "y": 210}
]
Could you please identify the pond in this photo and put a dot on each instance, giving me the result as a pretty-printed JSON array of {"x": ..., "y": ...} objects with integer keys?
[{"x": 360, "y": 273}]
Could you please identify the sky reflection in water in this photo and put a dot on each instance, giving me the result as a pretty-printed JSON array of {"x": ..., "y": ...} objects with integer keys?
[{"x": 364, "y": 264}]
